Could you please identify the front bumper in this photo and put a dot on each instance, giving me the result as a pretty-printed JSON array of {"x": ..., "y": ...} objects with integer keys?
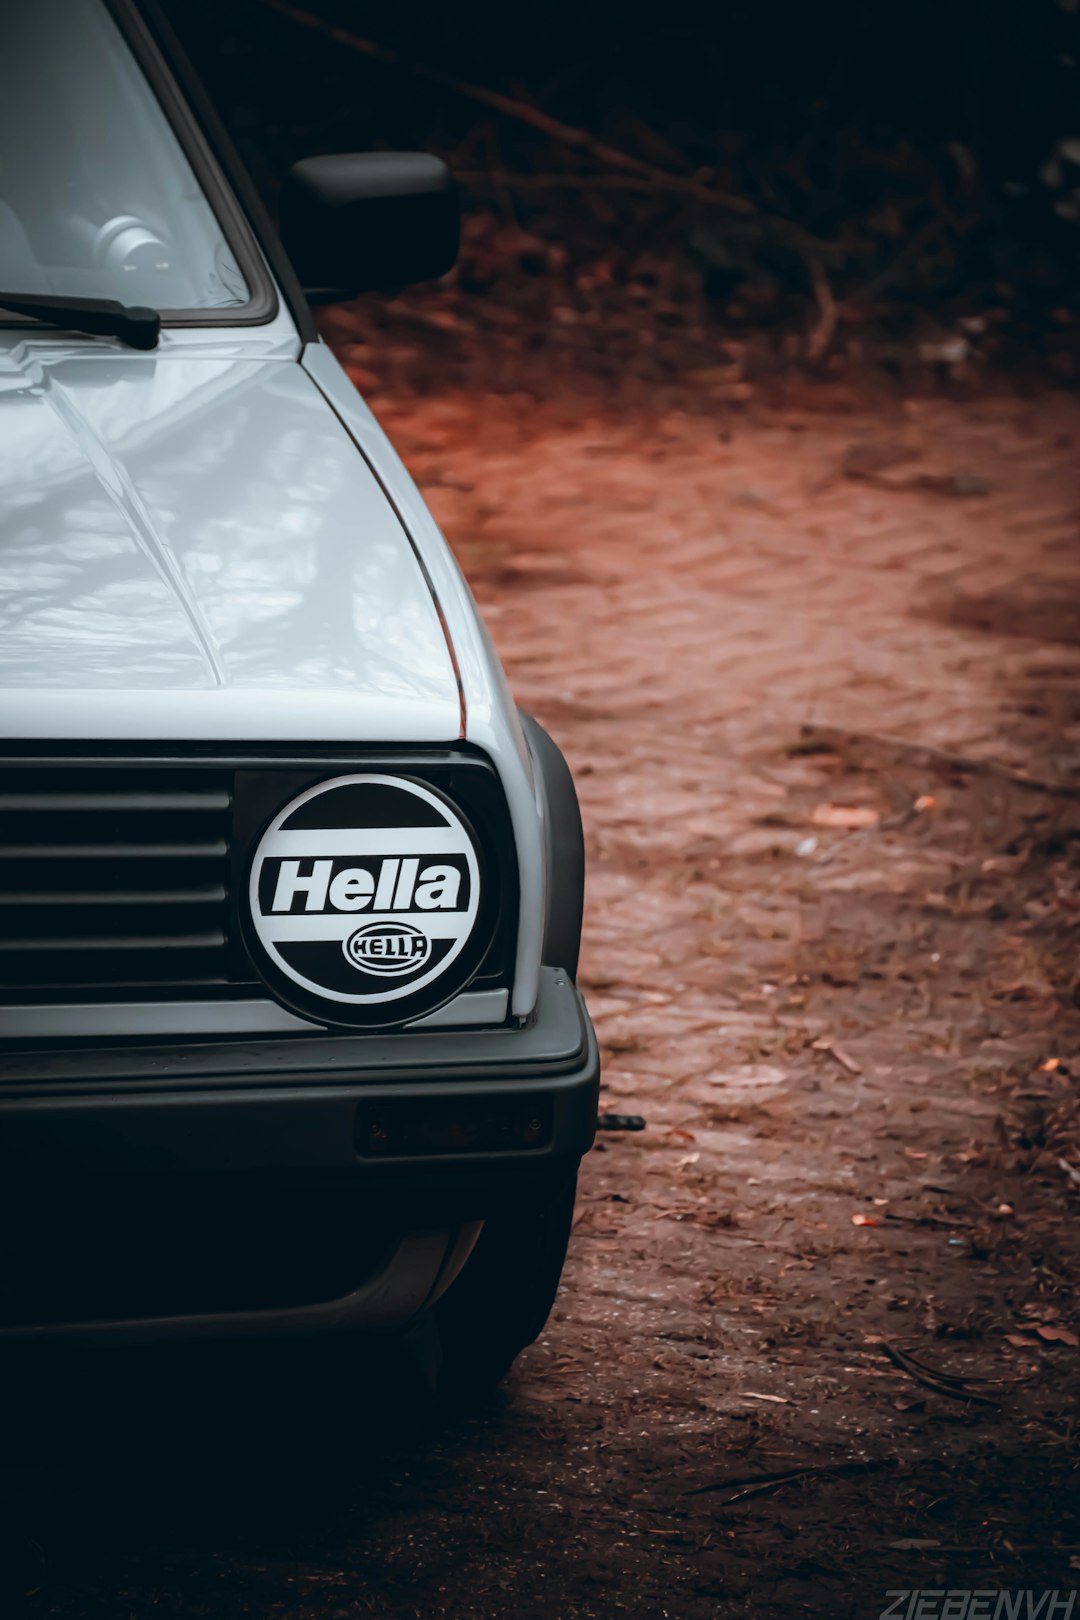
[
  {"x": 301, "y": 1103},
  {"x": 414, "y": 1134}
]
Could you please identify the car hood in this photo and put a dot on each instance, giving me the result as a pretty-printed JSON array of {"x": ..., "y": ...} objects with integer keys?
[{"x": 192, "y": 545}]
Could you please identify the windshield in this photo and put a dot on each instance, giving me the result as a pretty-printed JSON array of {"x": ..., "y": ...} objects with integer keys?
[{"x": 97, "y": 199}]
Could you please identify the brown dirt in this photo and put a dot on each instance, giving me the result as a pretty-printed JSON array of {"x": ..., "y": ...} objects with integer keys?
[{"x": 837, "y": 974}]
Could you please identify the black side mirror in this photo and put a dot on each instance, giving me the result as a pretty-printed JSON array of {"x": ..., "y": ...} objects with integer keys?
[{"x": 368, "y": 221}]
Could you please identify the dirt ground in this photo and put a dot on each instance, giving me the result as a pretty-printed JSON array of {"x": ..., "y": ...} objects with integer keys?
[{"x": 816, "y": 665}]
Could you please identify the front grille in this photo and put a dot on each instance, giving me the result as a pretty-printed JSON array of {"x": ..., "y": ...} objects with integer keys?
[
  {"x": 120, "y": 875},
  {"x": 113, "y": 878}
]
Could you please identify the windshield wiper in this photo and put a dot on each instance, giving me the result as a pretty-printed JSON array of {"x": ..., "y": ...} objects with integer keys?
[{"x": 103, "y": 317}]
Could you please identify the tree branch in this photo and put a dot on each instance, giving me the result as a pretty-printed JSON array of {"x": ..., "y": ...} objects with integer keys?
[{"x": 566, "y": 134}]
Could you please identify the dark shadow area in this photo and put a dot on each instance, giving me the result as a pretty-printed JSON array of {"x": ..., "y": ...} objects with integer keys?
[
  {"x": 732, "y": 191},
  {"x": 250, "y": 1451},
  {"x": 1035, "y": 608},
  {"x": 1039, "y": 696},
  {"x": 311, "y": 1480}
]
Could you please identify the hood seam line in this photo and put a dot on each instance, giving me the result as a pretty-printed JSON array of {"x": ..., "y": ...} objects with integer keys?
[{"x": 125, "y": 497}]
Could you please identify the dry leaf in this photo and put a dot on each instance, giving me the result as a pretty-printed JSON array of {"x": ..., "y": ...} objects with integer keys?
[
  {"x": 849, "y": 817},
  {"x": 1057, "y": 1335}
]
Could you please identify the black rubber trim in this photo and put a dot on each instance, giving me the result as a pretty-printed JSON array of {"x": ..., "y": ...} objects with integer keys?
[
  {"x": 256, "y": 219},
  {"x": 565, "y": 849}
]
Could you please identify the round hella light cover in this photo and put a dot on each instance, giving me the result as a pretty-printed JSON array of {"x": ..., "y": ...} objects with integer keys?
[{"x": 363, "y": 900}]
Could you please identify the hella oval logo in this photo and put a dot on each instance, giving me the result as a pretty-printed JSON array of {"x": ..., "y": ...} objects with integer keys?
[{"x": 392, "y": 948}]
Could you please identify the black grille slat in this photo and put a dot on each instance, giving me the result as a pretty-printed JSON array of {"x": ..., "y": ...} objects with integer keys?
[
  {"x": 102, "y": 874},
  {"x": 113, "y": 851},
  {"x": 210, "y": 893},
  {"x": 140, "y": 802},
  {"x": 115, "y": 976},
  {"x": 114, "y": 926},
  {"x": 118, "y": 942},
  {"x": 114, "y": 881}
]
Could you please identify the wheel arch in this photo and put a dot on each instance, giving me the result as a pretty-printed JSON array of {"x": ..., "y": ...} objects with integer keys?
[{"x": 564, "y": 849}]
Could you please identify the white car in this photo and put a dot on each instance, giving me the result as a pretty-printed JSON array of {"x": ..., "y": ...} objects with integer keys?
[{"x": 290, "y": 893}]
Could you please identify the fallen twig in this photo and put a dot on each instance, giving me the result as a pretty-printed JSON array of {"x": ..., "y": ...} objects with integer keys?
[
  {"x": 925, "y": 1220},
  {"x": 961, "y": 1381},
  {"x": 899, "y": 266},
  {"x": 761, "y": 1484},
  {"x": 516, "y": 180},
  {"x": 995, "y": 1548},
  {"x": 845, "y": 1060},
  {"x": 1070, "y": 1170},
  {"x": 956, "y": 1389},
  {"x": 828, "y": 310}
]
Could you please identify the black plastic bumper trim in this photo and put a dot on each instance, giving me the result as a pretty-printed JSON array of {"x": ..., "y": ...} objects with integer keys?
[{"x": 304, "y": 1115}]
